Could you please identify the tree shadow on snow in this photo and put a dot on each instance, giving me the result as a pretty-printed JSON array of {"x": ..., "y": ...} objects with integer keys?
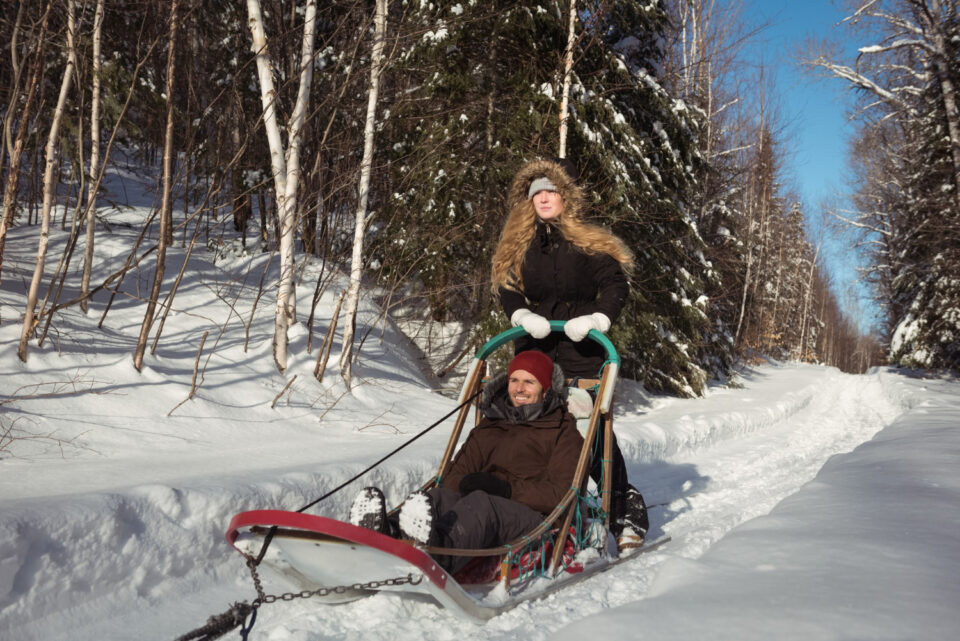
[{"x": 666, "y": 488}]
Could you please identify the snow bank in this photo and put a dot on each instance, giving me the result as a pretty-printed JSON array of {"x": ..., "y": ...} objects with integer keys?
[{"x": 870, "y": 549}]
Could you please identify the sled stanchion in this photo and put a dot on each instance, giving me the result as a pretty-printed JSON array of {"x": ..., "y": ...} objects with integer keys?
[
  {"x": 607, "y": 495},
  {"x": 583, "y": 467},
  {"x": 471, "y": 389}
]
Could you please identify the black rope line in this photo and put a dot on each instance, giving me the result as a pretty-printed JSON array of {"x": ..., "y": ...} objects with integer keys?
[
  {"x": 236, "y": 616},
  {"x": 218, "y": 625},
  {"x": 273, "y": 529}
]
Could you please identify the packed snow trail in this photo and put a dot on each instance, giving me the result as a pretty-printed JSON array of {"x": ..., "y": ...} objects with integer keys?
[
  {"x": 732, "y": 457},
  {"x": 150, "y": 561}
]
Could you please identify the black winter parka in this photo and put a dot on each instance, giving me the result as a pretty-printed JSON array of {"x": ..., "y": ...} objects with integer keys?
[{"x": 561, "y": 282}]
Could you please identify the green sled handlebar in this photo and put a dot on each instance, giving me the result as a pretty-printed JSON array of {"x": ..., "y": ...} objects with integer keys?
[{"x": 514, "y": 333}]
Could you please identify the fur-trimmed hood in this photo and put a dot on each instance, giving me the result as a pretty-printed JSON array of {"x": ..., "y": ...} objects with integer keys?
[{"x": 569, "y": 190}]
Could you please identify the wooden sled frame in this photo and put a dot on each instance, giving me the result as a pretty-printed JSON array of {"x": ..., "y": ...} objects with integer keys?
[{"x": 563, "y": 514}]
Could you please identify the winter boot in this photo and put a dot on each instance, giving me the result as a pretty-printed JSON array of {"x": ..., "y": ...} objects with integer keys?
[
  {"x": 418, "y": 516},
  {"x": 369, "y": 510},
  {"x": 636, "y": 522}
]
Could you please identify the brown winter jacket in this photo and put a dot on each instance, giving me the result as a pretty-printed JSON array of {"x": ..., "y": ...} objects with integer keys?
[{"x": 537, "y": 457}]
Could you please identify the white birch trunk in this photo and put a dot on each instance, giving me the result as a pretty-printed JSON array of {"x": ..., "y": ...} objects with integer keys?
[
  {"x": 94, "y": 158},
  {"x": 285, "y": 166},
  {"x": 49, "y": 184},
  {"x": 771, "y": 339},
  {"x": 747, "y": 279},
  {"x": 568, "y": 68},
  {"x": 804, "y": 322},
  {"x": 356, "y": 260},
  {"x": 941, "y": 61}
]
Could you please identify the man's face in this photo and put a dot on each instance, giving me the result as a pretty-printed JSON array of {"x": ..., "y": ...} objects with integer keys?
[{"x": 523, "y": 388}]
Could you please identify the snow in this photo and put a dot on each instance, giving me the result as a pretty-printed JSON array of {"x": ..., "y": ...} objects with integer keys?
[
  {"x": 803, "y": 503},
  {"x": 436, "y": 36}
]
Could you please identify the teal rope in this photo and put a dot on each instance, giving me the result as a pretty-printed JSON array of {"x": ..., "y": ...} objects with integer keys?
[{"x": 606, "y": 362}]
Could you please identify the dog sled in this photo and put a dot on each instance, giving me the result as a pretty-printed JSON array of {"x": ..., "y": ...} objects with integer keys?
[{"x": 334, "y": 561}]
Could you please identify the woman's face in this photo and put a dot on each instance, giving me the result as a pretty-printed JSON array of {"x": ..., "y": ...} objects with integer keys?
[{"x": 547, "y": 204}]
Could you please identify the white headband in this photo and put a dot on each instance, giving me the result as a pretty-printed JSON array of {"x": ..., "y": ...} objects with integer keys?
[{"x": 540, "y": 184}]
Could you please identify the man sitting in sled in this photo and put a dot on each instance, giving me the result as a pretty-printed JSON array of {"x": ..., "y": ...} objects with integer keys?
[{"x": 514, "y": 467}]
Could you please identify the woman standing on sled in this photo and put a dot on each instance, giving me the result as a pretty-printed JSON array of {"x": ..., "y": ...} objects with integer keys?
[{"x": 551, "y": 265}]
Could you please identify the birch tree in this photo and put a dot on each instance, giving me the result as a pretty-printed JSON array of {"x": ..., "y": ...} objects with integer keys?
[
  {"x": 567, "y": 73},
  {"x": 16, "y": 151},
  {"x": 362, "y": 218},
  {"x": 920, "y": 29},
  {"x": 49, "y": 182},
  {"x": 802, "y": 350},
  {"x": 284, "y": 163},
  {"x": 91, "y": 212}
]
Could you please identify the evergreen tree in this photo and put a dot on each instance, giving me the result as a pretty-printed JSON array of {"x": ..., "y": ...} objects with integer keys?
[
  {"x": 927, "y": 333},
  {"x": 640, "y": 144},
  {"x": 477, "y": 94},
  {"x": 465, "y": 104}
]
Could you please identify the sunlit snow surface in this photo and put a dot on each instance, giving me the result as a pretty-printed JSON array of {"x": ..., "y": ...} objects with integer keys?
[{"x": 803, "y": 504}]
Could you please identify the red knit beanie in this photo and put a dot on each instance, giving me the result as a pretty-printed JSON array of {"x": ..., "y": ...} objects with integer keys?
[{"x": 537, "y": 363}]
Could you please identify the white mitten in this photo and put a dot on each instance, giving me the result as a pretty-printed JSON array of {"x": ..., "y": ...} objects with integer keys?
[
  {"x": 578, "y": 328},
  {"x": 535, "y": 324}
]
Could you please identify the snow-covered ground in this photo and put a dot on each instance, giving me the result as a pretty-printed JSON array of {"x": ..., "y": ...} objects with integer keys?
[{"x": 803, "y": 503}]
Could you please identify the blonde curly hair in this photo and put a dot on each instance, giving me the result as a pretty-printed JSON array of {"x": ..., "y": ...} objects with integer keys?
[{"x": 520, "y": 226}]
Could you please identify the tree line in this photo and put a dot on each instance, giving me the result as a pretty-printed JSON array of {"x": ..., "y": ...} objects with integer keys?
[{"x": 380, "y": 138}]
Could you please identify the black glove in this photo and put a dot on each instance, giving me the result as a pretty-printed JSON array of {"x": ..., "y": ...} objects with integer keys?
[{"x": 486, "y": 482}]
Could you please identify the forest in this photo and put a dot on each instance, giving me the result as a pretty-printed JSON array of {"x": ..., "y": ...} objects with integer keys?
[{"x": 378, "y": 138}]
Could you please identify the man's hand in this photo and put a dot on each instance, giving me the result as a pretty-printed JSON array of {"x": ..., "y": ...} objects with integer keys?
[{"x": 486, "y": 482}]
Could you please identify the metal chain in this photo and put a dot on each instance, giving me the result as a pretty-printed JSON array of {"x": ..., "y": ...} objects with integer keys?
[{"x": 262, "y": 597}]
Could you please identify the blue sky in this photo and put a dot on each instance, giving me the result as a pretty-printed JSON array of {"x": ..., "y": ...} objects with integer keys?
[
  {"x": 813, "y": 107},
  {"x": 815, "y": 112}
]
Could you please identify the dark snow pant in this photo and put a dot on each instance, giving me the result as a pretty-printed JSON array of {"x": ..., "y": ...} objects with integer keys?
[
  {"x": 618, "y": 482},
  {"x": 477, "y": 521}
]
